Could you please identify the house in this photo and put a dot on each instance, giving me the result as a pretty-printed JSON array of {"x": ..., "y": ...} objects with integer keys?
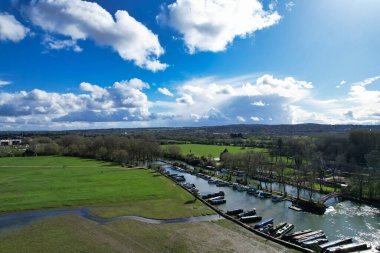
[{"x": 10, "y": 142}]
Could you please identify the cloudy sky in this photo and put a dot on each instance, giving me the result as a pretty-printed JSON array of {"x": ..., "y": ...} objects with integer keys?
[{"x": 69, "y": 64}]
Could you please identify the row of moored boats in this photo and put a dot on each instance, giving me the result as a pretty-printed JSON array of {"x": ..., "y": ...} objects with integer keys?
[{"x": 316, "y": 240}]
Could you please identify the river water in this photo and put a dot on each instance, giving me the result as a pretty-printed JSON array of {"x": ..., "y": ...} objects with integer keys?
[{"x": 344, "y": 219}]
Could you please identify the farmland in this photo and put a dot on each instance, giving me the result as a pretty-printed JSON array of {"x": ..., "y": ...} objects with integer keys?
[{"x": 213, "y": 150}]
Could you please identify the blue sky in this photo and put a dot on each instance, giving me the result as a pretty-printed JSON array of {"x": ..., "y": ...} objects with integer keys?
[{"x": 68, "y": 64}]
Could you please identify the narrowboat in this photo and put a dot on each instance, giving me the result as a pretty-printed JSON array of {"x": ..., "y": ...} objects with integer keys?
[{"x": 264, "y": 223}]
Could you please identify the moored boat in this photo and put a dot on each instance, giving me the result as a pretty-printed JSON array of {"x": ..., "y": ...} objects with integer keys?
[
  {"x": 282, "y": 231},
  {"x": 295, "y": 208},
  {"x": 349, "y": 248},
  {"x": 249, "y": 219},
  {"x": 343, "y": 241},
  {"x": 217, "y": 201},
  {"x": 303, "y": 236},
  {"x": 264, "y": 223},
  {"x": 277, "y": 198},
  {"x": 288, "y": 236},
  {"x": 220, "y": 183},
  {"x": 234, "y": 212},
  {"x": 211, "y": 181},
  {"x": 314, "y": 243},
  {"x": 312, "y": 238},
  {"x": 248, "y": 213},
  {"x": 278, "y": 226},
  {"x": 211, "y": 195},
  {"x": 215, "y": 198}
]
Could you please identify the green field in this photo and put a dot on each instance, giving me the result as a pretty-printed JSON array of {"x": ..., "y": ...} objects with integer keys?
[
  {"x": 213, "y": 150},
  {"x": 73, "y": 234},
  {"x": 59, "y": 182},
  {"x": 109, "y": 190}
]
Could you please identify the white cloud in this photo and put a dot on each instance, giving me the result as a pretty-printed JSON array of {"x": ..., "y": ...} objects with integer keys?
[
  {"x": 210, "y": 25},
  {"x": 240, "y": 119},
  {"x": 56, "y": 44},
  {"x": 81, "y": 20},
  {"x": 3, "y": 83},
  {"x": 256, "y": 119},
  {"x": 259, "y": 103},
  {"x": 11, "y": 29},
  {"x": 185, "y": 99},
  {"x": 367, "y": 81},
  {"x": 225, "y": 101},
  {"x": 165, "y": 91},
  {"x": 205, "y": 101},
  {"x": 289, "y": 5},
  {"x": 343, "y": 82},
  {"x": 123, "y": 101}
]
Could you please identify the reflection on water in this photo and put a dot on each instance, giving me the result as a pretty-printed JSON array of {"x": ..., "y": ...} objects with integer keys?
[{"x": 344, "y": 219}]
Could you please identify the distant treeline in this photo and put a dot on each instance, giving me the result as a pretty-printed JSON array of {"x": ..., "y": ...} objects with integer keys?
[
  {"x": 354, "y": 154},
  {"x": 118, "y": 149}
]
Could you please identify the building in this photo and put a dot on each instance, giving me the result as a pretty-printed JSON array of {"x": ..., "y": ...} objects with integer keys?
[{"x": 10, "y": 142}]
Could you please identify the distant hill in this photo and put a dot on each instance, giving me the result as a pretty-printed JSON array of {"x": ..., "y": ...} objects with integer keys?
[{"x": 245, "y": 130}]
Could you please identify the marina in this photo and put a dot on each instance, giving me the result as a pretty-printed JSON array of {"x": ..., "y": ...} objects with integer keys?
[{"x": 279, "y": 218}]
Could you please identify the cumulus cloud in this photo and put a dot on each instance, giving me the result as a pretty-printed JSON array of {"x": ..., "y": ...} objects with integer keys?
[
  {"x": 123, "y": 101},
  {"x": 185, "y": 99},
  {"x": 81, "y": 20},
  {"x": 11, "y": 29},
  {"x": 210, "y": 25},
  {"x": 204, "y": 101},
  {"x": 210, "y": 101},
  {"x": 165, "y": 91},
  {"x": 3, "y": 82}
]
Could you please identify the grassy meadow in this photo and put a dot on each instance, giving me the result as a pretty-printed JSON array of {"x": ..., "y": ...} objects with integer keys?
[
  {"x": 72, "y": 234},
  {"x": 59, "y": 182},
  {"x": 214, "y": 150}
]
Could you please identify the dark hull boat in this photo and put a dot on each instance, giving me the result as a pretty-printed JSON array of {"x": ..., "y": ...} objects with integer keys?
[
  {"x": 248, "y": 213},
  {"x": 314, "y": 243},
  {"x": 289, "y": 236},
  {"x": 343, "y": 241},
  {"x": 216, "y": 201},
  {"x": 235, "y": 212},
  {"x": 306, "y": 235},
  {"x": 211, "y": 195},
  {"x": 349, "y": 248},
  {"x": 312, "y": 238}
]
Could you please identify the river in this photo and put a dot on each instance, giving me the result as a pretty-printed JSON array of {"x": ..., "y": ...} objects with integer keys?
[{"x": 344, "y": 219}]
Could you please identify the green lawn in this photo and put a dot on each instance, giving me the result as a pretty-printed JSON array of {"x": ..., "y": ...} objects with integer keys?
[
  {"x": 59, "y": 182},
  {"x": 214, "y": 150}
]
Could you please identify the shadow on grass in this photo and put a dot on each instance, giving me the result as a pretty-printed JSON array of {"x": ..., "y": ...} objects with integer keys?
[{"x": 190, "y": 201}]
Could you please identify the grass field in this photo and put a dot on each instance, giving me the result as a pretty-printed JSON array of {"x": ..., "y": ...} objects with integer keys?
[
  {"x": 214, "y": 150},
  {"x": 71, "y": 233},
  {"x": 60, "y": 182}
]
